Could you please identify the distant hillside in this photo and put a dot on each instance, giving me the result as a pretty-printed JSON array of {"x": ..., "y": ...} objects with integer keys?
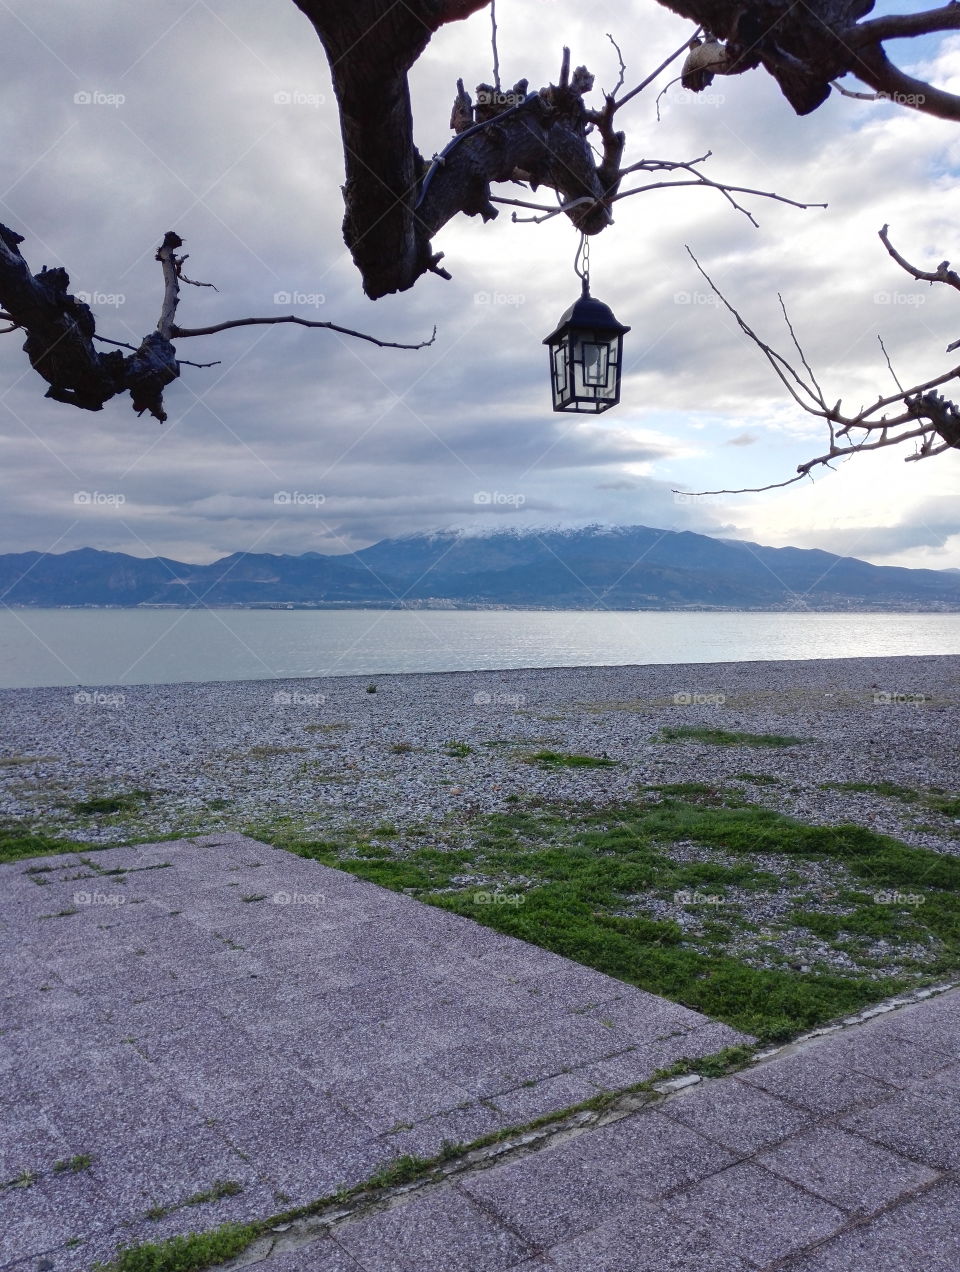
[{"x": 633, "y": 567}]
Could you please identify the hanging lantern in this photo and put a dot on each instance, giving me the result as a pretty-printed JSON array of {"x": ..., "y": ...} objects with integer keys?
[
  {"x": 586, "y": 350},
  {"x": 585, "y": 357}
]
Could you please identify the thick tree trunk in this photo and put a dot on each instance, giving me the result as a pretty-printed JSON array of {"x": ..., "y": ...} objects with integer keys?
[{"x": 371, "y": 47}]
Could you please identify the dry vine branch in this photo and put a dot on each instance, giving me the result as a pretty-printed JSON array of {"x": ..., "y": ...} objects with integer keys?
[
  {"x": 61, "y": 330},
  {"x": 921, "y": 414}
]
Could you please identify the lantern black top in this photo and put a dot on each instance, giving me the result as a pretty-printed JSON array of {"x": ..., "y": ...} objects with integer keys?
[
  {"x": 589, "y": 313},
  {"x": 585, "y": 357}
]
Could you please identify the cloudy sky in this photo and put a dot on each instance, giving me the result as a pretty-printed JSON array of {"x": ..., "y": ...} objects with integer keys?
[{"x": 216, "y": 118}]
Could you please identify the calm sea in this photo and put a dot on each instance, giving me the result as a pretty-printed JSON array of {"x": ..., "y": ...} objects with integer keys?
[{"x": 117, "y": 647}]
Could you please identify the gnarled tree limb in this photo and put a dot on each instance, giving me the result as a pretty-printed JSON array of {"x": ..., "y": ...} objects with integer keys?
[
  {"x": 61, "y": 329},
  {"x": 805, "y": 46}
]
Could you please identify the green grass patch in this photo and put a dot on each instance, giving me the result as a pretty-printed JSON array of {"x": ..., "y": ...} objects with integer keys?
[
  {"x": 127, "y": 802},
  {"x": 935, "y": 799},
  {"x": 758, "y": 779},
  {"x": 82, "y": 1161},
  {"x": 458, "y": 750},
  {"x": 729, "y": 1060},
  {"x": 184, "y": 1254},
  {"x": 579, "y": 877},
  {"x": 559, "y": 759},
  {"x": 723, "y": 737}
]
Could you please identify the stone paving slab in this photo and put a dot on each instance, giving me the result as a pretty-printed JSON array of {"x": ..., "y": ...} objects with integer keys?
[
  {"x": 748, "y": 1173},
  {"x": 211, "y": 1010}
]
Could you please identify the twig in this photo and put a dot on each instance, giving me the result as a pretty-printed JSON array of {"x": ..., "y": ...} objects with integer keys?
[
  {"x": 181, "y": 333},
  {"x": 938, "y": 430},
  {"x": 623, "y": 66},
  {"x": 496, "y": 53},
  {"x": 942, "y": 274},
  {"x": 663, "y": 90},
  {"x": 890, "y": 364},
  {"x": 548, "y": 212},
  {"x": 727, "y": 190},
  {"x": 796, "y": 345},
  {"x": 662, "y": 67},
  {"x": 848, "y": 92},
  {"x": 121, "y": 343}
]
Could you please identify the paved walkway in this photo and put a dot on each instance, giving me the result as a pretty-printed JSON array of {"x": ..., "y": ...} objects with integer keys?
[
  {"x": 839, "y": 1157},
  {"x": 180, "y": 1016}
]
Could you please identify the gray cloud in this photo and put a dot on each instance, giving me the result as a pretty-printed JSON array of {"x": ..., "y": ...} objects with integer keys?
[{"x": 228, "y": 133}]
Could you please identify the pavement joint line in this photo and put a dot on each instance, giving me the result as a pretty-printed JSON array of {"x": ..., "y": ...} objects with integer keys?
[
  {"x": 302, "y": 1232},
  {"x": 646, "y": 1097},
  {"x": 857, "y": 1220}
]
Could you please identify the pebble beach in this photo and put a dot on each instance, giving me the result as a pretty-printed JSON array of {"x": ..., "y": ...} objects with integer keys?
[{"x": 430, "y": 748}]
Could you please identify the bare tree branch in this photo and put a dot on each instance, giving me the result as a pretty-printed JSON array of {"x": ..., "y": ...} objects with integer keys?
[
  {"x": 61, "y": 330},
  {"x": 182, "y": 333},
  {"x": 942, "y": 274},
  {"x": 925, "y": 416},
  {"x": 896, "y": 26},
  {"x": 875, "y": 69}
]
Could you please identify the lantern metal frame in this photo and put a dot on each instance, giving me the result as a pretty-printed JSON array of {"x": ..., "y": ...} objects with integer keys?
[{"x": 586, "y": 350}]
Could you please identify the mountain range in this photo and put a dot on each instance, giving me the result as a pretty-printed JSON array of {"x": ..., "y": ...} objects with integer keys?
[{"x": 625, "y": 567}]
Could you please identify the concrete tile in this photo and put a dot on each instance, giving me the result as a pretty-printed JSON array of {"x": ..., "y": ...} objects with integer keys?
[
  {"x": 88, "y": 1248},
  {"x": 204, "y": 1063},
  {"x": 932, "y": 1025},
  {"x": 51, "y": 1211},
  {"x": 621, "y": 1071},
  {"x": 645, "y": 1017},
  {"x": 645, "y": 1238},
  {"x": 548, "y": 1197},
  {"x": 551, "y": 1195},
  {"x": 922, "y": 1233},
  {"x": 256, "y": 1201},
  {"x": 822, "y": 1085},
  {"x": 525, "y": 1103},
  {"x": 29, "y": 1143},
  {"x": 439, "y": 1231},
  {"x": 304, "y": 1143},
  {"x": 163, "y": 1167},
  {"x": 924, "y": 1127},
  {"x": 844, "y": 1169},
  {"x": 655, "y": 1154},
  {"x": 753, "y": 1214},
  {"x": 882, "y": 1053},
  {"x": 426, "y": 1139},
  {"x": 398, "y": 1093},
  {"x": 736, "y": 1115}
]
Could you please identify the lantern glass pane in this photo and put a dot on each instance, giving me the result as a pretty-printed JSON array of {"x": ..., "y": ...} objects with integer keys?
[
  {"x": 595, "y": 364},
  {"x": 561, "y": 379}
]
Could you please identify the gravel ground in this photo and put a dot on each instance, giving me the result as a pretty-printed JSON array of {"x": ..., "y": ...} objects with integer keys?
[{"x": 328, "y": 753}]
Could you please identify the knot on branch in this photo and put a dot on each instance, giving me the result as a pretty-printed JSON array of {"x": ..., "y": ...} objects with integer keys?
[
  {"x": 942, "y": 414},
  {"x": 148, "y": 372}
]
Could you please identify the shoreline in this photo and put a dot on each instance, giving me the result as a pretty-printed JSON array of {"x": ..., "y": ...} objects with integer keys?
[{"x": 568, "y": 668}]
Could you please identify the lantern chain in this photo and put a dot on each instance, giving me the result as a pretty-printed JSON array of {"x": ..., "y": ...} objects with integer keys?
[{"x": 583, "y": 271}]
